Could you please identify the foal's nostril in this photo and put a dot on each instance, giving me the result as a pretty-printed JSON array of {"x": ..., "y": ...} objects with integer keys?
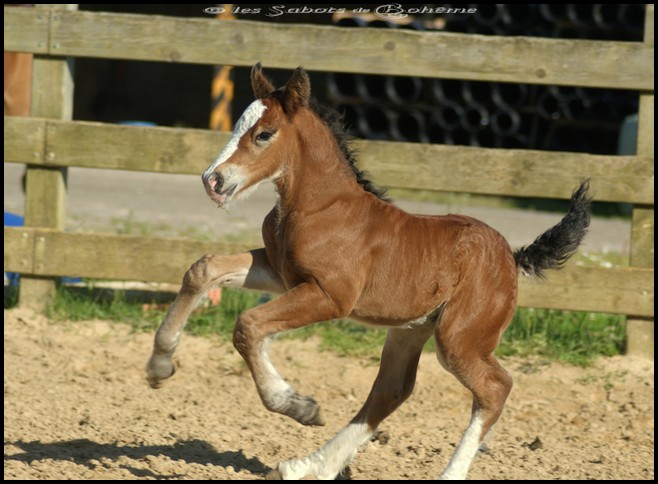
[{"x": 218, "y": 183}]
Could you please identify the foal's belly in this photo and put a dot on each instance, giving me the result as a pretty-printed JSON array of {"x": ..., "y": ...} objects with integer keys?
[
  {"x": 393, "y": 312},
  {"x": 400, "y": 296},
  {"x": 395, "y": 323}
]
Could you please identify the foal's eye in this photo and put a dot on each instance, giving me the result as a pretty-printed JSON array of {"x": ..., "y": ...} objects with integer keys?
[{"x": 264, "y": 136}]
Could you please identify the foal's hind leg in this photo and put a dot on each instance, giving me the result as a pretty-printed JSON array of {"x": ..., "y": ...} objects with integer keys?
[
  {"x": 465, "y": 345},
  {"x": 249, "y": 270},
  {"x": 393, "y": 385}
]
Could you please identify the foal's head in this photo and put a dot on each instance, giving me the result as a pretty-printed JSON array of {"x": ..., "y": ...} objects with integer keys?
[{"x": 257, "y": 151}]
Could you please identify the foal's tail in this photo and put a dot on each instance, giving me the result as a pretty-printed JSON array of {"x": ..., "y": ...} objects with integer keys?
[{"x": 552, "y": 248}]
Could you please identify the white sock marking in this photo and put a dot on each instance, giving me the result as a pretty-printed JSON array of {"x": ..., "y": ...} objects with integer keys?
[
  {"x": 466, "y": 451},
  {"x": 278, "y": 390},
  {"x": 333, "y": 457}
]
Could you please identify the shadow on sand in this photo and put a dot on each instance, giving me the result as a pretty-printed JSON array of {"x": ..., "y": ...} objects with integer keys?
[{"x": 85, "y": 452}]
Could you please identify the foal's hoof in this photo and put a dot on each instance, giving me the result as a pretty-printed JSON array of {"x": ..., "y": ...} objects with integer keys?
[
  {"x": 316, "y": 419},
  {"x": 159, "y": 369},
  {"x": 306, "y": 411},
  {"x": 274, "y": 475}
]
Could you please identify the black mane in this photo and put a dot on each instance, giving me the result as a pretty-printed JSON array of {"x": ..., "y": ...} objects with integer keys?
[{"x": 336, "y": 123}]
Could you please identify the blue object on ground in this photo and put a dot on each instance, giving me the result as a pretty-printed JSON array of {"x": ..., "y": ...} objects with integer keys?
[{"x": 12, "y": 220}]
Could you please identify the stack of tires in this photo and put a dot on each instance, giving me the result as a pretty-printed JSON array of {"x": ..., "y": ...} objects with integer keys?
[{"x": 492, "y": 114}]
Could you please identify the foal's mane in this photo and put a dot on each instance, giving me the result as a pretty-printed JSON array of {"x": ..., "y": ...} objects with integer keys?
[{"x": 336, "y": 123}]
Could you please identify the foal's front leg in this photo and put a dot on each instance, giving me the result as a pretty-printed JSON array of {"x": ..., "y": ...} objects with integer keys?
[
  {"x": 250, "y": 270},
  {"x": 303, "y": 305}
]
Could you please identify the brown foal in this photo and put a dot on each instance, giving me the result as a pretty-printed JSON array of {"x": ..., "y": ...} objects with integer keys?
[{"x": 336, "y": 248}]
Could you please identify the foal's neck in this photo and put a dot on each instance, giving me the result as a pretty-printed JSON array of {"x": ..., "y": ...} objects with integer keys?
[{"x": 317, "y": 174}]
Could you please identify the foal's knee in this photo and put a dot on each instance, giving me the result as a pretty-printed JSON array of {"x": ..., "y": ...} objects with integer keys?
[
  {"x": 198, "y": 275},
  {"x": 244, "y": 333}
]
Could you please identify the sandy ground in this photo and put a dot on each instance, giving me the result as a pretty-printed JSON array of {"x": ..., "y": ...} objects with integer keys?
[{"x": 77, "y": 406}]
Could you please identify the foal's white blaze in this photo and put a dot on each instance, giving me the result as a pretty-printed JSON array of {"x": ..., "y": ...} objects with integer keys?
[
  {"x": 326, "y": 463},
  {"x": 247, "y": 121},
  {"x": 466, "y": 451}
]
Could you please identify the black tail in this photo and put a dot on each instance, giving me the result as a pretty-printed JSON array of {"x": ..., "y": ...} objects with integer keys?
[{"x": 552, "y": 248}]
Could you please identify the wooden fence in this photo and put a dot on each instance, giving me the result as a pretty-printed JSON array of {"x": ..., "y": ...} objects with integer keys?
[{"x": 49, "y": 142}]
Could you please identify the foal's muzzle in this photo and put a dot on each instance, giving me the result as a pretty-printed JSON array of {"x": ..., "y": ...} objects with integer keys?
[{"x": 217, "y": 188}]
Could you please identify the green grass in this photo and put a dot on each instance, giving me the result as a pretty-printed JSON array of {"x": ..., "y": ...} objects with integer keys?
[
  {"x": 574, "y": 337},
  {"x": 79, "y": 304},
  {"x": 345, "y": 338},
  {"x": 571, "y": 336},
  {"x": 85, "y": 303},
  {"x": 11, "y": 296}
]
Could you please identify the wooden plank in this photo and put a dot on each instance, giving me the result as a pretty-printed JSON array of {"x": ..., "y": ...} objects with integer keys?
[
  {"x": 522, "y": 173},
  {"x": 19, "y": 250},
  {"x": 162, "y": 150},
  {"x": 619, "y": 290},
  {"x": 45, "y": 187},
  {"x": 106, "y": 256},
  {"x": 45, "y": 197},
  {"x": 26, "y": 30},
  {"x": 25, "y": 140},
  {"x": 642, "y": 236},
  {"x": 640, "y": 332},
  {"x": 623, "y": 65}
]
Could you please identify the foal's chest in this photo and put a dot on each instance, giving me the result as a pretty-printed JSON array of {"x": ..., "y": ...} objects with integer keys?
[{"x": 298, "y": 253}]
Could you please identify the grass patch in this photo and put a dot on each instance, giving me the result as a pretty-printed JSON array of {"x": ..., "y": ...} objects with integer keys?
[
  {"x": 85, "y": 303},
  {"x": 570, "y": 336},
  {"x": 573, "y": 337},
  {"x": 11, "y": 296},
  {"x": 345, "y": 338},
  {"x": 221, "y": 319},
  {"x": 79, "y": 304}
]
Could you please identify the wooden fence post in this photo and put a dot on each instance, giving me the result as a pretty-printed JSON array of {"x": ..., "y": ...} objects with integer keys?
[
  {"x": 640, "y": 332},
  {"x": 45, "y": 187}
]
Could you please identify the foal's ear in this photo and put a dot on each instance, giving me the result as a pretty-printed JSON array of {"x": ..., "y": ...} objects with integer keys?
[
  {"x": 261, "y": 85},
  {"x": 297, "y": 91}
]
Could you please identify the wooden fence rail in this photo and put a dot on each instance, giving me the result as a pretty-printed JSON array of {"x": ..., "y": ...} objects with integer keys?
[
  {"x": 522, "y": 173},
  {"x": 49, "y": 142},
  {"x": 47, "y": 252},
  {"x": 622, "y": 65}
]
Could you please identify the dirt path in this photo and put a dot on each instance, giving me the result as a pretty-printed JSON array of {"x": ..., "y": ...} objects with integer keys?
[{"x": 77, "y": 407}]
